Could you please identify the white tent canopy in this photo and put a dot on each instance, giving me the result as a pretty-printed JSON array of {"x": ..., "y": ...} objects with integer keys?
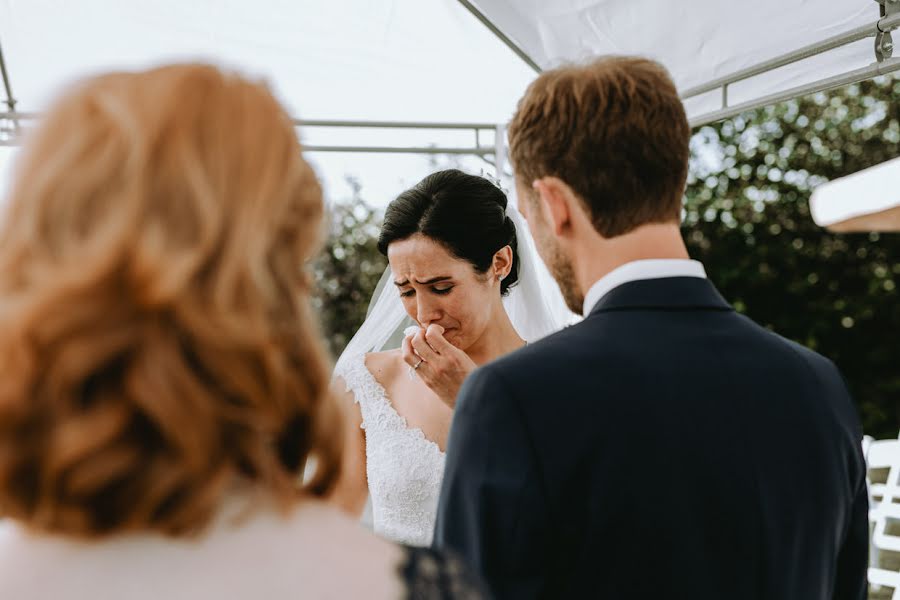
[
  {"x": 407, "y": 60},
  {"x": 426, "y": 73},
  {"x": 724, "y": 56},
  {"x": 348, "y": 59}
]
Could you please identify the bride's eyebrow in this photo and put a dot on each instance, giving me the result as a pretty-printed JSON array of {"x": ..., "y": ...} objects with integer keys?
[{"x": 429, "y": 282}]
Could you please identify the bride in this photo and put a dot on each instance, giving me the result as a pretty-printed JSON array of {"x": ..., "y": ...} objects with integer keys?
[{"x": 463, "y": 288}]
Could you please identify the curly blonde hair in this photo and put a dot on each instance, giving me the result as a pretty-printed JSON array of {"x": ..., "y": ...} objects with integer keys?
[{"x": 156, "y": 343}]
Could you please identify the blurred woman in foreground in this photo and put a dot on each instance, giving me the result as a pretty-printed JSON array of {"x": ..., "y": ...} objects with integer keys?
[{"x": 162, "y": 382}]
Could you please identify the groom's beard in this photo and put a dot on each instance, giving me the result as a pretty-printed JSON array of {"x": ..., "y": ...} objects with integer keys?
[
  {"x": 564, "y": 275},
  {"x": 560, "y": 268}
]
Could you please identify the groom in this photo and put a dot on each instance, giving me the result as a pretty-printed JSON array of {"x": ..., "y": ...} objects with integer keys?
[{"x": 666, "y": 446}]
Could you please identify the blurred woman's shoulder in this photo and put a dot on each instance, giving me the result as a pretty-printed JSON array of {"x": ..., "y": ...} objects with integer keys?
[
  {"x": 314, "y": 552},
  {"x": 346, "y": 557},
  {"x": 381, "y": 567}
]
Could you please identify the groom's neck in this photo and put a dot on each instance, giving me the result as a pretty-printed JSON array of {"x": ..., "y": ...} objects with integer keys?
[{"x": 597, "y": 256}]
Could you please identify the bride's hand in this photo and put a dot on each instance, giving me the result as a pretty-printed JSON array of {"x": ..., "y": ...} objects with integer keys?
[{"x": 441, "y": 365}]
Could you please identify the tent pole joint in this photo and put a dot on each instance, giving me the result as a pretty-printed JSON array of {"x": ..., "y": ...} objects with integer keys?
[{"x": 884, "y": 43}]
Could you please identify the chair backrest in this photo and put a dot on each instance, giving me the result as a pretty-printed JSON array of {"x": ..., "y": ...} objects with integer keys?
[{"x": 884, "y": 509}]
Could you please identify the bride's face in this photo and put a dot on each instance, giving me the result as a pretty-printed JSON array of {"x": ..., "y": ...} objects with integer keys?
[{"x": 436, "y": 287}]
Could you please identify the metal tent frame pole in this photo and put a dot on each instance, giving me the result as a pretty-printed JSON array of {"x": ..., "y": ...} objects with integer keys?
[
  {"x": 500, "y": 35},
  {"x": 10, "y": 99},
  {"x": 7, "y": 86},
  {"x": 882, "y": 66},
  {"x": 476, "y": 128},
  {"x": 873, "y": 70},
  {"x": 880, "y": 29},
  {"x": 400, "y": 150},
  {"x": 477, "y": 149}
]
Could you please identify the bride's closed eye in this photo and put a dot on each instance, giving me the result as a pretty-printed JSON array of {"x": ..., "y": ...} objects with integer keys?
[{"x": 438, "y": 291}]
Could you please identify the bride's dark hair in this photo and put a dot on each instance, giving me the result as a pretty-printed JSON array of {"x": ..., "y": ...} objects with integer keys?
[{"x": 465, "y": 213}]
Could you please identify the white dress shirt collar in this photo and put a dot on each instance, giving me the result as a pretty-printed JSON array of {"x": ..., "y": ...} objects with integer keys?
[{"x": 655, "y": 268}]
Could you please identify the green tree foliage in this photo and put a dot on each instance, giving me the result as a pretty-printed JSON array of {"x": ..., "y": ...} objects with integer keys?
[
  {"x": 747, "y": 219},
  {"x": 348, "y": 269}
]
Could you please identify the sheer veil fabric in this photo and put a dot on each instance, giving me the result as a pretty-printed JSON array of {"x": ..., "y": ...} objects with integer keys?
[{"x": 536, "y": 308}]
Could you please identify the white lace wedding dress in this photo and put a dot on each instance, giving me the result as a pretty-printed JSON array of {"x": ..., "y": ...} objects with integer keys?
[{"x": 404, "y": 468}]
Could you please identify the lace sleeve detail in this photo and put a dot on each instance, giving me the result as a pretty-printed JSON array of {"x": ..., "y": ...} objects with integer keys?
[
  {"x": 436, "y": 575},
  {"x": 403, "y": 468},
  {"x": 367, "y": 393},
  {"x": 354, "y": 373}
]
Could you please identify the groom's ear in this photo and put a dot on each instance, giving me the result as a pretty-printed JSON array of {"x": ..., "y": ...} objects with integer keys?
[{"x": 555, "y": 199}]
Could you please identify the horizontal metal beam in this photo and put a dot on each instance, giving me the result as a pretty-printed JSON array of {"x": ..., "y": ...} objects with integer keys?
[
  {"x": 476, "y": 150},
  {"x": 482, "y": 152},
  {"x": 873, "y": 70},
  {"x": 501, "y": 36},
  {"x": 22, "y": 116},
  {"x": 400, "y": 150},
  {"x": 306, "y": 123},
  {"x": 391, "y": 124},
  {"x": 331, "y": 123},
  {"x": 854, "y": 35}
]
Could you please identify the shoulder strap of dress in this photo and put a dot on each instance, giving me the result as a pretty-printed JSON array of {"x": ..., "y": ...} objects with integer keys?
[
  {"x": 353, "y": 371},
  {"x": 366, "y": 390}
]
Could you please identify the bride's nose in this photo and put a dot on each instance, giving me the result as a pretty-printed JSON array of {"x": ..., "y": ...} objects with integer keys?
[{"x": 428, "y": 310}]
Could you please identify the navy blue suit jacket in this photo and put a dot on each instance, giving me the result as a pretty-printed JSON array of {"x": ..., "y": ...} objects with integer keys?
[{"x": 665, "y": 447}]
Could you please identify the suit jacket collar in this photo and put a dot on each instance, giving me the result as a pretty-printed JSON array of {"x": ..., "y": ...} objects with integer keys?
[
  {"x": 653, "y": 268},
  {"x": 668, "y": 293}
]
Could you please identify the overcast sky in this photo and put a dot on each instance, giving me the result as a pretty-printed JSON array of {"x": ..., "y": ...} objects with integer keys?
[{"x": 406, "y": 60}]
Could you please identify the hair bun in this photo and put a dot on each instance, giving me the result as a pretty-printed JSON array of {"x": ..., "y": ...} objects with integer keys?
[
  {"x": 466, "y": 213},
  {"x": 501, "y": 198}
]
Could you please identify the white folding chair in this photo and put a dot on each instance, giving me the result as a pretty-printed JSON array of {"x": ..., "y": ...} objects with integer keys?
[{"x": 883, "y": 509}]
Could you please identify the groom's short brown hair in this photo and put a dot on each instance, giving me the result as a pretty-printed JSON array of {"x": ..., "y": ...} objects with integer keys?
[{"x": 615, "y": 131}]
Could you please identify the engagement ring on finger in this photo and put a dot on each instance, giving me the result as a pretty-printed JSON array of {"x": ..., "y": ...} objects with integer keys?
[
  {"x": 409, "y": 332},
  {"x": 412, "y": 369}
]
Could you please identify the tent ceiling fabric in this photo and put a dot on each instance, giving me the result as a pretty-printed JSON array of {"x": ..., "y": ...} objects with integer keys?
[
  {"x": 697, "y": 40},
  {"x": 426, "y": 60},
  {"x": 410, "y": 60}
]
